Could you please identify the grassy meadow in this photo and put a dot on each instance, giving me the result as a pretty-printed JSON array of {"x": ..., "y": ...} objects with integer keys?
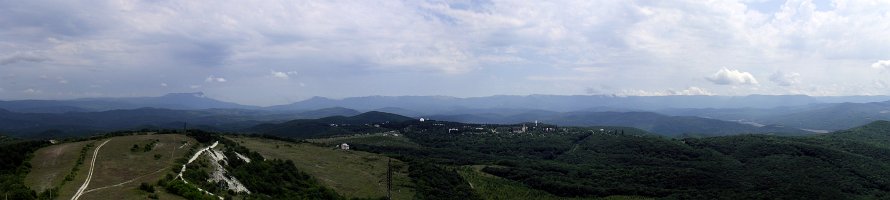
[{"x": 350, "y": 173}]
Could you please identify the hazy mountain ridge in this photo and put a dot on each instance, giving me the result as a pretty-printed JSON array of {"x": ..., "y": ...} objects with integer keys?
[
  {"x": 39, "y": 125},
  {"x": 830, "y": 117},
  {"x": 180, "y": 101},
  {"x": 568, "y": 103},
  {"x": 702, "y": 115}
]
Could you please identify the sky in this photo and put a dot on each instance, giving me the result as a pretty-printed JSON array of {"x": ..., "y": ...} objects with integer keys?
[{"x": 270, "y": 52}]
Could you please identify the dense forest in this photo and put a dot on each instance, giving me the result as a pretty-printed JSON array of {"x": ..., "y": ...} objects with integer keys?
[
  {"x": 606, "y": 161},
  {"x": 14, "y": 165}
]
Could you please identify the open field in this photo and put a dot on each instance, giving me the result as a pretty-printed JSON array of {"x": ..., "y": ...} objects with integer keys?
[
  {"x": 350, "y": 173},
  {"x": 377, "y": 139},
  {"x": 118, "y": 170},
  {"x": 492, "y": 187},
  {"x": 51, "y": 164}
]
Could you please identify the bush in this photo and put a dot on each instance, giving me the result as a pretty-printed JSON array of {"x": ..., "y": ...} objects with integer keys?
[{"x": 147, "y": 187}]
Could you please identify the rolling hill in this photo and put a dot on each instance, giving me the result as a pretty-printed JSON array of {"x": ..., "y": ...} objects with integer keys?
[
  {"x": 564, "y": 162},
  {"x": 329, "y": 126},
  {"x": 608, "y": 162}
]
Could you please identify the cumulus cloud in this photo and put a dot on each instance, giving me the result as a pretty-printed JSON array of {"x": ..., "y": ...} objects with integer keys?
[
  {"x": 785, "y": 79},
  {"x": 211, "y": 79},
  {"x": 732, "y": 77},
  {"x": 881, "y": 64},
  {"x": 283, "y": 75},
  {"x": 32, "y": 91}
]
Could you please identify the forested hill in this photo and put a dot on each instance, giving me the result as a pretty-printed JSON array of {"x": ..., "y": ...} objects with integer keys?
[
  {"x": 607, "y": 161},
  {"x": 368, "y": 122},
  {"x": 875, "y": 133}
]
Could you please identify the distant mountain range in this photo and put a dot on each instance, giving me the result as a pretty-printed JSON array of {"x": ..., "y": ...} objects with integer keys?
[
  {"x": 824, "y": 117},
  {"x": 180, "y": 101},
  {"x": 666, "y": 115},
  {"x": 45, "y": 125},
  {"x": 428, "y": 105},
  {"x": 562, "y": 103},
  {"x": 672, "y": 126}
]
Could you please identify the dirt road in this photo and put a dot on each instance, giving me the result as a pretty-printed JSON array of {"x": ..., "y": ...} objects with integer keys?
[{"x": 90, "y": 174}]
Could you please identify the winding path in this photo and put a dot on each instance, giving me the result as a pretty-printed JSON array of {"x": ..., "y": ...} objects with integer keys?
[
  {"x": 194, "y": 157},
  {"x": 90, "y": 174},
  {"x": 125, "y": 182}
]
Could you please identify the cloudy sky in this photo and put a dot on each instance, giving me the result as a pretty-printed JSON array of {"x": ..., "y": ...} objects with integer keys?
[{"x": 274, "y": 52}]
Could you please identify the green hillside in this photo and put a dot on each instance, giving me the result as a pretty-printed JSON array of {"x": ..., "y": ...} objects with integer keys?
[
  {"x": 59, "y": 170},
  {"x": 447, "y": 160},
  {"x": 587, "y": 162},
  {"x": 354, "y": 174}
]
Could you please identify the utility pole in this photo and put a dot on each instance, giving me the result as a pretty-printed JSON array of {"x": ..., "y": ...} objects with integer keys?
[{"x": 389, "y": 179}]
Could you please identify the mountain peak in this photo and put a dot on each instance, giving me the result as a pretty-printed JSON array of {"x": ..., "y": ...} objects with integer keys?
[{"x": 318, "y": 98}]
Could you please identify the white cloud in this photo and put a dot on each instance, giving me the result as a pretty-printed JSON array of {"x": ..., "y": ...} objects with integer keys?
[
  {"x": 785, "y": 79},
  {"x": 32, "y": 91},
  {"x": 590, "y": 69},
  {"x": 163, "y": 84},
  {"x": 692, "y": 90},
  {"x": 211, "y": 79},
  {"x": 560, "y": 78},
  {"x": 283, "y": 75},
  {"x": 61, "y": 80},
  {"x": 368, "y": 41},
  {"x": 732, "y": 77},
  {"x": 195, "y": 86},
  {"x": 881, "y": 64}
]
